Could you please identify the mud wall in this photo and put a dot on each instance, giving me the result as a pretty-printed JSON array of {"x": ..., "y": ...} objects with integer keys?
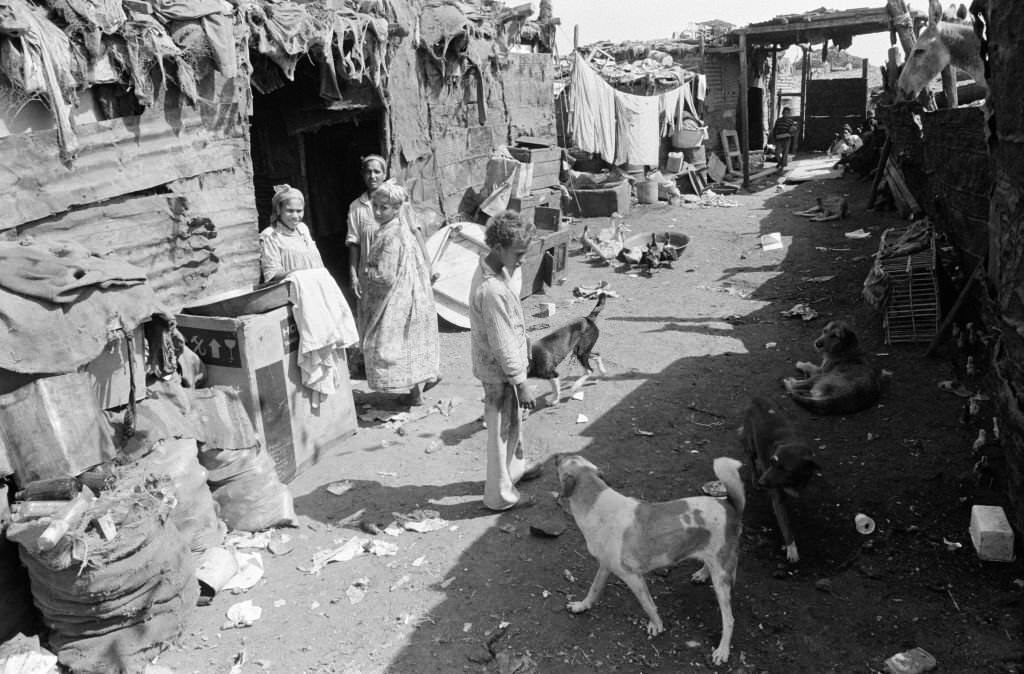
[{"x": 1006, "y": 233}]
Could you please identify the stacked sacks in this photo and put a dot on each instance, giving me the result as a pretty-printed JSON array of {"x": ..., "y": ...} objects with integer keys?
[
  {"x": 241, "y": 474},
  {"x": 113, "y": 594},
  {"x": 164, "y": 445}
]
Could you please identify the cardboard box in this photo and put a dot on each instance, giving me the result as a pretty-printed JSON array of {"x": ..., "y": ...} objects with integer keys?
[
  {"x": 112, "y": 376},
  {"x": 526, "y": 206},
  {"x": 548, "y": 218},
  {"x": 258, "y": 355}
]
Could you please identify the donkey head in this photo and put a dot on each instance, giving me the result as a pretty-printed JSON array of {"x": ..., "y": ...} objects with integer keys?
[{"x": 949, "y": 39}]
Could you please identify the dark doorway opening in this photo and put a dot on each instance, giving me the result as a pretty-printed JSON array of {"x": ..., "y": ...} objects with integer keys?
[{"x": 296, "y": 140}]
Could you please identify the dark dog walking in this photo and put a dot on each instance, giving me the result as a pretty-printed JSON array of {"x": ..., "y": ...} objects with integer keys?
[
  {"x": 578, "y": 338},
  {"x": 781, "y": 462}
]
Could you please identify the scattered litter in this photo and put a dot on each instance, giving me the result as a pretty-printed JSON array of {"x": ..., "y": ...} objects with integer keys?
[
  {"x": 871, "y": 436},
  {"x": 646, "y": 434},
  {"x": 593, "y": 292},
  {"x": 466, "y": 627},
  {"x": 951, "y": 546},
  {"x": 278, "y": 603},
  {"x": 956, "y": 388},
  {"x": 349, "y": 519},
  {"x": 582, "y": 418},
  {"x": 250, "y": 571},
  {"x": 823, "y": 585},
  {"x": 380, "y": 548},
  {"x": 545, "y": 594},
  {"x": 550, "y": 528},
  {"x": 357, "y": 590},
  {"x": 802, "y": 310},
  {"x": 339, "y": 488},
  {"x": 419, "y": 561},
  {"x": 549, "y": 309},
  {"x": 578, "y": 395},
  {"x": 819, "y": 279},
  {"x": 280, "y": 545},
  {"x": 314, "y": 605},
  {"x": 347, "y": 551},
  {"x": 446, "y": 582},
  {"x": 991, "y": 533},
  {"x": 691, "y": 643},
  {"x": 507, "y": 528},
  {"x": 386, "y": 473},
  {"x": 771, "y": 241},
  {"x": 914, "y": 661},
  {"x": 29, "y": 662},
  {"x": 865, "y": 525},
  {"x": 770, "y": 345},
  {"x": 244, "y": 540},
  {"x": 242, "y": 614},
  {"x": 237, "y": 663},
  {"x": 858, "y": 234},
  {"x": 420, "y": 521},
  {"x": 433, "y": 447},
  {"x": 399, "y": 583},
  {"x": 567, "y": 574},
  {"x": 714, "y": 488}
]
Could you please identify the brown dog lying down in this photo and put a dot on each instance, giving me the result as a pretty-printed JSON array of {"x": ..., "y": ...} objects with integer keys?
[
  {"x": 781, "y": 462},
  {"x": 844, "y": 383},
  {"x": 577, "y": 337},
  {"x": 629, "y": 537}
]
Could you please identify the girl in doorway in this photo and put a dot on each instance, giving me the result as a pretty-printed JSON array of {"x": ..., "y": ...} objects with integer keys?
[{"x": 286, "y": 245}]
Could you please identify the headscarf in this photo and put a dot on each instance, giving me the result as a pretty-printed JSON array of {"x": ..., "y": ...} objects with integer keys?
[
  {"x": 284, "y": 193},
  {"x": 372, "y": 158}
]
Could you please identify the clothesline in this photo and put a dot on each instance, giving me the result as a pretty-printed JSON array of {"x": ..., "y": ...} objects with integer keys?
[{"x": 624, "y": 128}]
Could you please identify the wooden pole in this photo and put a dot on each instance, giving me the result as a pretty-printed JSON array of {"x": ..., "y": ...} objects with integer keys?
[
  {"x": 744, "y": 125},
  {"x": 772, "y": 86},
  {"x": 805, "y": 74},
  {"x": 902, "y": 23},
  {"x": 575, "y": 37},
  {"x": 949, "y": 86}
]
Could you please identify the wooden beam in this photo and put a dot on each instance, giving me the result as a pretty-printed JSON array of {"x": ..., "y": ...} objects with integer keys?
[
  {"x": 744, "y": 111},
  {"x": 902, "y": 24},
  {"x": 864, "y": 22},
  {"x": 805, "y": 74},
  {"x": 949, "y": 86},
  {"x": 772, "y": 82}
]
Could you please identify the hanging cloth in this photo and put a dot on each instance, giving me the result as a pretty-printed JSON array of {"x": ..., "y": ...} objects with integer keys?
[
  {"x": 668, "y": 107},
  {"x": 702, "y": 87},
  {"x": 593, "y": 122},
  {"x": 638, "y": 140}
]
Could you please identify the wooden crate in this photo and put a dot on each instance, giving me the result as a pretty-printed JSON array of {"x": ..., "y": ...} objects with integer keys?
[{"x": 547, "y": 164}]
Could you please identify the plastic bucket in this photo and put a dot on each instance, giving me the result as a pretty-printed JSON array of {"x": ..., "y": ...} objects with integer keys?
[
  {"x": 647, "y": 192},
  {"x": 674, "y": 163},
  {"x": 684, "y": 138}
]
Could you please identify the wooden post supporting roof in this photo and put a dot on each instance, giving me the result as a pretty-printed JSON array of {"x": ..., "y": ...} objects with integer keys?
[
  {"x": 744, "y": 126},
  {"x": 805, "y": 74},
  {"x": 772, "y": 86}
]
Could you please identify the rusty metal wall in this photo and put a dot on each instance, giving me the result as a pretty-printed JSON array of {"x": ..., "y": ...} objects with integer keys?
[
  {"x": 1006, "y": 234},
  {"x": 169, "y": 191}
]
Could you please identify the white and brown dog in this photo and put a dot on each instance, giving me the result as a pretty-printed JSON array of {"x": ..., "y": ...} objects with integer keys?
[{"x": 629, "y": 537}]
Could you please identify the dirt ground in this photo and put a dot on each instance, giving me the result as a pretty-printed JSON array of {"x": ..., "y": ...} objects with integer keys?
[{"x": 685, "y": 351}]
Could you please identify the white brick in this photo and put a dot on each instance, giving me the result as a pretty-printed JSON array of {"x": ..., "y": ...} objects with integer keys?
[{"x": 991, "y": 534}]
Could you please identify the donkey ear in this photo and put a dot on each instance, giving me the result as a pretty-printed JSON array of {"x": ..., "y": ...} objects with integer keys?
[
  {"x": 934, "y": 12},
  {"x": 568, "y": 486}
]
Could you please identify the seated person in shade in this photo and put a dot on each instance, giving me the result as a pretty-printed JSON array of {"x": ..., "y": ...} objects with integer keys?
[
  {"x": 846, "y": 143},
  {"x": 783, "y": 132}
]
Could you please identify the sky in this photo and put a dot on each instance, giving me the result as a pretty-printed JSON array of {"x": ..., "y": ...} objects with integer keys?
[{"x": 619, "y": 20}]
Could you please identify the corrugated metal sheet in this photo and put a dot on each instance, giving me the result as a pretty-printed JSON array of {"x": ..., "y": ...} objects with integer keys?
[
  {"x": 183, "y": 259},
  {"x": 117, "y": 157}
]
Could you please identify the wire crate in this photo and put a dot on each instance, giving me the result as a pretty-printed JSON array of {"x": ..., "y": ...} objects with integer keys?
[{"x": 911, "y": 311}]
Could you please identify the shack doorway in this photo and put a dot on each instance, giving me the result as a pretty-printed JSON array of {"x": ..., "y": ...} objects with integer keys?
[{"x": 296, "y": 140}]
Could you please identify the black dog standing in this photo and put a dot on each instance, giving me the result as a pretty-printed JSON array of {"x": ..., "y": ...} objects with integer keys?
[{"x": 781, "y": 462}]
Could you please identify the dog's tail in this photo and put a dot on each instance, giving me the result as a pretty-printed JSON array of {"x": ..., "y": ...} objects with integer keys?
[
  {"x": 728, "y": 471},
  {"x": 598, "y": 307}
]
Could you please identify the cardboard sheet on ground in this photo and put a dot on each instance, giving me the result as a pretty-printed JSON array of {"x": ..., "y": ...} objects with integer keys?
[{"x": 814, "y": 168}]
